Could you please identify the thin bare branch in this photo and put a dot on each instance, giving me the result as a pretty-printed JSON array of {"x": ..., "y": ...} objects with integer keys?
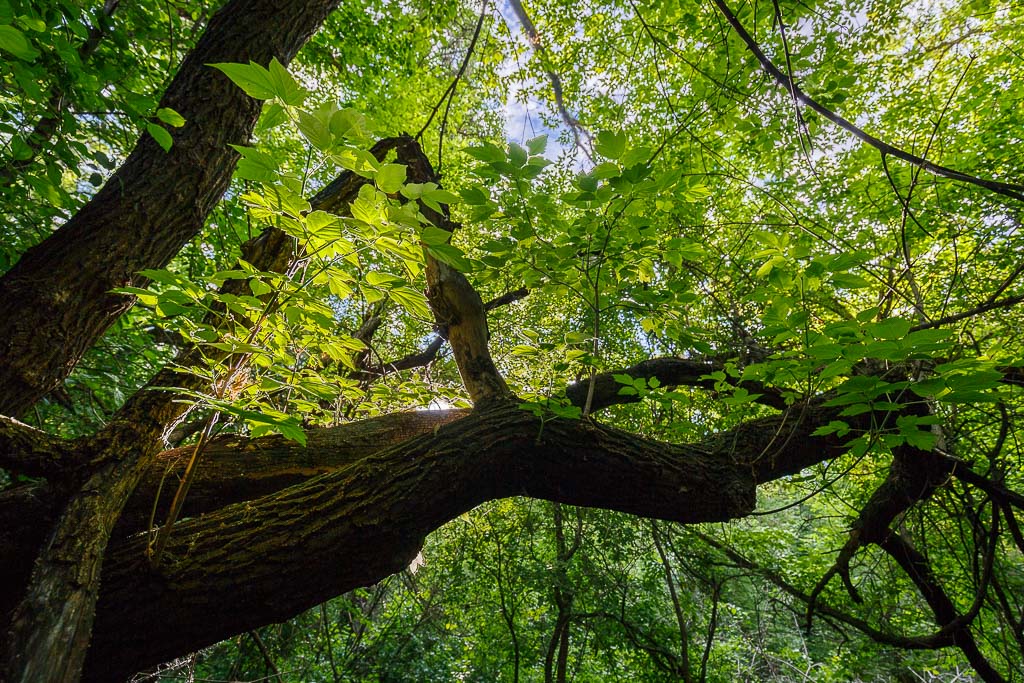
[{"x": 1012, "y": 190}]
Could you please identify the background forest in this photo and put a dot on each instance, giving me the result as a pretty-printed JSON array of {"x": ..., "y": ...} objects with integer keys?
[{"x": 775, "y": 244}]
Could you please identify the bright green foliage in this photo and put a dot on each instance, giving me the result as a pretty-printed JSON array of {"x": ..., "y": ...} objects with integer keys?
[{"x": 709, "y": 217}]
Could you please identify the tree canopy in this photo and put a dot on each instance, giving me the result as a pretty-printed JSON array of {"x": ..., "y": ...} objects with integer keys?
[{"x": 363, "y": 340}]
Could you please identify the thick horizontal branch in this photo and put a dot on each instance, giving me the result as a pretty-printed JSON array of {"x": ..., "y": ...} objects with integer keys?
[
  {"x": 236, "y": 469},
  {"x": 372, "y": 511},
  {"x": 670, "y": 372},
  {"x": 300, "y": 546},
  {"x": 29, "y": 451}
]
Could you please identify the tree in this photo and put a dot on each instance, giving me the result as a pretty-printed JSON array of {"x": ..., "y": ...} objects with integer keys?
[{"x": 829, "y": 328}]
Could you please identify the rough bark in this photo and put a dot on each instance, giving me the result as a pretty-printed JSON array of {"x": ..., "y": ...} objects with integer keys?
[
  {"x": 762, "y": 450},
  {"x": 56, "y": 301},
  {"x": 458, "y": 309},
  {"x": 236, "y": 469},
  {"x": 29, "y": 451},
  {"x": 26, "y": 513},
  {"x": 265, "y": 560},
  {"x": 394, "y": 498}
]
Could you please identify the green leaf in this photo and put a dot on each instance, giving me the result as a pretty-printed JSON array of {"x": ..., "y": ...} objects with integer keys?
[
  {"x": 440, "y": 196},
  {"x": 867, "y": 315},
  {"x": 252, "y": 78},
  {"x": 537, "y": 145},
  {"x": 349, "y": 124},
  {"x": 849, "y": 281},
  {"x": 978, "y": 380},
  {"x": 767, "y": 266},
  {"x": 576, "y": 337},
  {"x": 283, "y": 85},
  {"x": 922, "y": 439},
  {"x": 451, "y": 255},
  {"x": 259, "y": 287},
  {"x": 145, "y": 297},
  {"x": 837, "y": 427},
  {"x": 587, "y": 182},
  {"x": 160, "y": 134},
  {"x": 473, "y": 195},
  {"x": 890, "y": 328},
  {"x": 14, "y": 41},
  {"x": 390, "y": 177},
  {"x": 358, "y": 161},
  {"x": 170, "y": 117},
  {"x": 488, "y": 153},
  {"x": 412, "y": 301},
  {"x": 273, "y": 115},
  {"x": 933, "y": 387},
  {"x": 314, "y": 130},
  {"x": 610, "y": 145},
  {"x": 168, "y": 309},
  {"x": 255, "y": 165},
  {"x": 434, "y": 236},
  {"x": 517, "y": 156},
  {"x": 855, "y": 409},
  {"x": 339, "y": 286},
  {"x": 695, "y": 193},
  {"x": 384, "y": 280},
  {"x": 268, "y": 422}
]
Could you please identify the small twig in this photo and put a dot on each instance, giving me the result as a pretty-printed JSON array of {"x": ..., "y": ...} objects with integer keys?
[
  {"x": 156, "y": 548},
  {"x": 977, "y": 310},
  {"x": 579, "y": 133},
  {"x": 450, "y": 90},
  {"x": 266, "y": 654}
]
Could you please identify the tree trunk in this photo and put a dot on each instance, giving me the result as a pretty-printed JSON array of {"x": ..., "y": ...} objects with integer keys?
[{"x": 55, "y": 303}]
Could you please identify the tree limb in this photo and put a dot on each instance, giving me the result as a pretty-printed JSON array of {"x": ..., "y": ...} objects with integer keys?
[
  {"x": 152, "y": 205},
  {"x": 1012, "y": 190},
  {"x": 369, "y": 506},
  {"x": 32, "y": 452},
  {"x": 429, "y": 353},
  {"x": 352, "y": 527},
  {"x": 457, "y": 307},
  {"x": 670, "y": 372},
  {"x": 376, "y": 511}
]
